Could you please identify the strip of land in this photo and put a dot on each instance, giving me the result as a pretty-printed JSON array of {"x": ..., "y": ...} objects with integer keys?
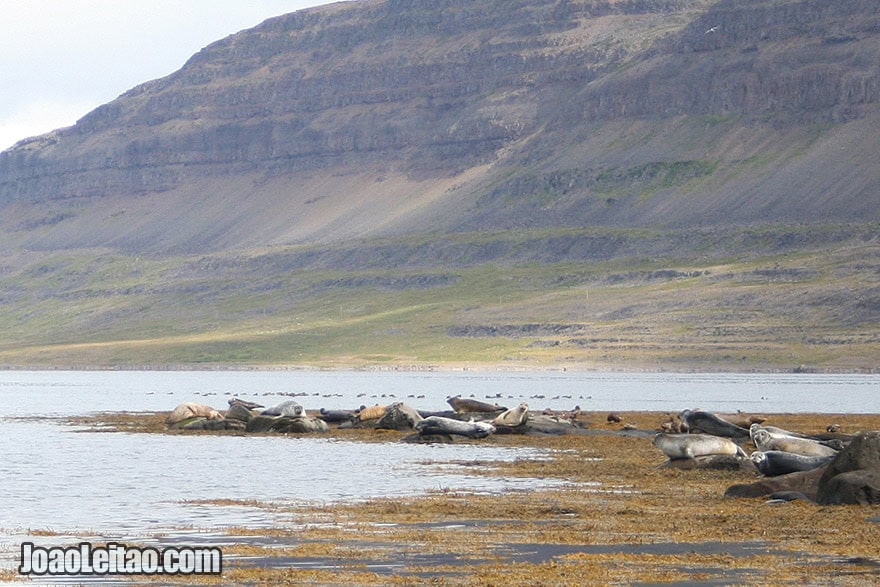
[{"x": 619, "y": 519}]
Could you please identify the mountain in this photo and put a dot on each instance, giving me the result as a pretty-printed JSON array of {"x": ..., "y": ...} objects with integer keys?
[{"x": 389, "y": 155}]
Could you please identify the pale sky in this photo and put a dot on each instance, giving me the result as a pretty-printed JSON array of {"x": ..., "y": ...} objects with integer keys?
[{"x": 60, "y": 59}]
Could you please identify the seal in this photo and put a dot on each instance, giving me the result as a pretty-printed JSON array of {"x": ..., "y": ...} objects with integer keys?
[
  {"x": 244, "y": 403},
  {"x": 440, "y": 425},
  {"x": 370, "y": 413},
  {"x": 776, "y": 462},
  {"x": 690, "y": 446},
  {"x": 464, "y": 405},
  {"x": 742, "y": 419},
  {"x": 513, "y": 417},
  {"x": 775, "y": 432},
  {"x": 336, "y": 416},
  {"x": 288, "y": 409},
  {"x": 764, "y": 441},
  {"x": 709, "y": 423},
  {"x": 188, "y": 410}
]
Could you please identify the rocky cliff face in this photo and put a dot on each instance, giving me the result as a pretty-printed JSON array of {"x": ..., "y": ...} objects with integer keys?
[{"x": 379, "y": 117}]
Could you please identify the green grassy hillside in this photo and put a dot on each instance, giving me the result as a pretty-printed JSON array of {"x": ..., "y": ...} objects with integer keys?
[{"x": 740, "y": 300}]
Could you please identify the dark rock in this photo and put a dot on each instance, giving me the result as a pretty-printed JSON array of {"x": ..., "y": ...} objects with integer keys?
[
  {"x": 501, "y": 429},
  {"x": 275, "y": 101},
  {"x": 239, "y": 412},
  {"x": 542, "y": 425},
  {"x": 711, "y": 462},
  {"x": 210, "y": 424},
  {"x": 853, "y": 477},
  {"x": 863, "y": 452},
  {"x": 260, "y": 423},
  {"x": 286, "y": 425},
  {"x": 860, "y": 487},
  {"x": 399, "y": 416},
  {"x": 805, "y": 482},
  {"x": 303, "y": 425}
]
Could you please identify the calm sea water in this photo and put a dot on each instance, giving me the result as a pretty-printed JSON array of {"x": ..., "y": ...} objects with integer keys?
[{"x": 134, "y": 486}]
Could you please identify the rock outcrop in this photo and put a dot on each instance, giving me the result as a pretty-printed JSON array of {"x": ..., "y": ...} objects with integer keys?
[
  {"x": 853, "y": 477},
  {"x": 466, "y": 115}
]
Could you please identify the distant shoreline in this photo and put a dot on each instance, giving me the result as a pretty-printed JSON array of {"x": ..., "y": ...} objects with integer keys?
[{"x": 450, "y": 368}]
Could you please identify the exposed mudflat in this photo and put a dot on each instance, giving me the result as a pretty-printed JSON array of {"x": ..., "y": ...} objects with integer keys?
[{"x": 619, "y": 519}]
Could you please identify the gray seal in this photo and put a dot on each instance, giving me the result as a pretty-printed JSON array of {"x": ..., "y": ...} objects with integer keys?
[
  {"x": 776, "y": 462},
  {"x": 775, "y": 432},
  {"x": 465, "y": 405},
  {"x": 709, "y": 423},
  {"x": 288, "y": 409},
  {"x": 690, "y": 446},
  {"x": 440, "y": 425},
  {"x": 244, "y": 403},
  {"x": 765, "y": 441}
]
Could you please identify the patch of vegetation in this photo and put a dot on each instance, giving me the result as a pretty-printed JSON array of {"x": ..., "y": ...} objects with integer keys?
[
  {"x": 618, "y": 513},
  {"x": 754, "y": 298}
]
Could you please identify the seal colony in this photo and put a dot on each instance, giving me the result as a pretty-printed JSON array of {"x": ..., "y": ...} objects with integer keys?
[
  {"x": 829, "y": 468},
  {"x": 613, "y": 494},
  {"x": 468, "y": 419},
  {"x": 789, "y": 461}
]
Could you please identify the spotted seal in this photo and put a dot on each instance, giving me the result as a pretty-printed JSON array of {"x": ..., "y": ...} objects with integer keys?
[
  {"x": 513, "y": 417},
  {"x": 775, "y": 432},
  {"x": 440, "y": 425},
  {"x": 287, "y": 409},
  {"x": 690, "y": 446},
  {"x": 765, "y": 441},
  {"x": 465, "y": 405}
]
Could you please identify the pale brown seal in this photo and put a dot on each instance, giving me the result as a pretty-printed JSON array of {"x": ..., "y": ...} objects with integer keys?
[
  {"x": 371, "y": 413},
  {"x": 513, "y": 417},
  {"x": 689, "y": 446},
  {"x": 188, "y": 410}
]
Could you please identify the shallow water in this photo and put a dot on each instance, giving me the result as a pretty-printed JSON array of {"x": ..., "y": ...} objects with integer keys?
[{"x": 116, "y": 485}]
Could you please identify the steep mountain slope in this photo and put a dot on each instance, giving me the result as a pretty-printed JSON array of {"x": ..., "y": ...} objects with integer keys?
[
  {"x": 389, "y": 117},
  {"x": 675, "y": 183}
]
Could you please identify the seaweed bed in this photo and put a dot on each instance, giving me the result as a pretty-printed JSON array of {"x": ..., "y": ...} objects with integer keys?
[{"x": 619, "y": 519}]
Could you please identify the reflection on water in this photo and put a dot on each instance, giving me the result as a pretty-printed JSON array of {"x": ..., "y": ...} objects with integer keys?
[{"x": 61, "y": 480}]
